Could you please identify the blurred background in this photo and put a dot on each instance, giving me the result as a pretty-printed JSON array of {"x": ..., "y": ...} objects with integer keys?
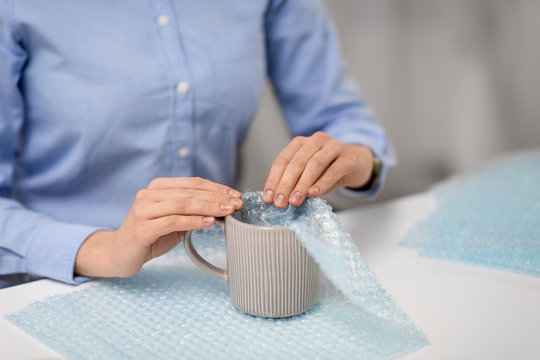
[{"x": 454, "y": 82}]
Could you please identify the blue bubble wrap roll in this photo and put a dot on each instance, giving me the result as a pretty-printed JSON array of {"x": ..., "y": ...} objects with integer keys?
[
  {"x": 172, "y": 309},
  {"x": 490, "y": 217}
]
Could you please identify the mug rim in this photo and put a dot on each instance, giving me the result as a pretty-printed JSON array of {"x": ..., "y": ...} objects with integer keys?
[{"x": 260, "y": 227}]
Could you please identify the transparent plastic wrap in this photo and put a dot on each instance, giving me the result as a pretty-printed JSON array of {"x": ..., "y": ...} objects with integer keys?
[
  {"x": 490, "y": 217},
  {"x": 171, "y": 309}
]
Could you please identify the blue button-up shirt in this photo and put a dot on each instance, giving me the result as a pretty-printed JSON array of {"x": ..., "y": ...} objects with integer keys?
[{"x": 97, "y": 98}]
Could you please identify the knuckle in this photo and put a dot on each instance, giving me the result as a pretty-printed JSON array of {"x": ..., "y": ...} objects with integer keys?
[
  {"x": 299, "y": 164},
  {"x": 324, "y": 179},
  {"x": 194, "y": 222},
  {"x": 188, "y": 194},
  {"x": 156, "y": 182},
  {"x": 324, "y": 183},
  {"x": 285, "y": 184},
  {"x": 299, "y": 139},
  {"x": 180, "y": 203},
  {"x": 223, "y": 199},
  {"x": 337, "y": 144},
  {"x": 335, "y": 175},
  {"x": 280, "y": 161},
  {"x": 302, "y": 186},
  {"x": 141, "y": 194},
  {"x": 350, "y": 160},
  {"x": 198, "y": 181},
  {"x": 319, "y": 135},
  {"x": 208, "y": 207},
  {"x": 170, "y": 222},
  {"x": 318, "y": 161}
]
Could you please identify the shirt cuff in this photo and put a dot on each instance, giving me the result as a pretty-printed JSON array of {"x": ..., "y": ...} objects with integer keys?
[{"x": 53, "y": 250}]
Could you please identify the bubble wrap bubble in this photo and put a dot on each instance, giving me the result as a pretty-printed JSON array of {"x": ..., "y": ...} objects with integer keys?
[
  {"x": 490, "y": 217},
  {"x": 172, "y": 309}
]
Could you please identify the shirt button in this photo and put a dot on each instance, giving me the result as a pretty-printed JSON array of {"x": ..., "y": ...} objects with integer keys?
[
  {"x": 183, "y": 153},
  {"x": 182, "y": 87},
  {"x": 163, "y": 20}
]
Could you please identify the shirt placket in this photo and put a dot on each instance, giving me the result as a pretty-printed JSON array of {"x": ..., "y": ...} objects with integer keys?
[{"x": 180, "y": 142}]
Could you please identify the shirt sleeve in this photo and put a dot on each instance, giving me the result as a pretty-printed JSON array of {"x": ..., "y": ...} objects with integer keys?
[
  {"x": 30, "y": 242},
  {"x": 312, "y": 84}
]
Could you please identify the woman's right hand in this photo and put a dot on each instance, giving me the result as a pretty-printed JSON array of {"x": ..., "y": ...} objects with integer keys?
[{"x": 156, "y": 223}]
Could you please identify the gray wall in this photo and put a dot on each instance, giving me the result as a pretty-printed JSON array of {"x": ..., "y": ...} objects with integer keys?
[{"x": 454, "y": 82}]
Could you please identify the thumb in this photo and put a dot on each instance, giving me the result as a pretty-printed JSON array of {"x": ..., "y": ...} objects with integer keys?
[{"x": 164, "y": 244}]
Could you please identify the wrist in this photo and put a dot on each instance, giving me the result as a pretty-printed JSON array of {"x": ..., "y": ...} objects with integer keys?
[
  {"x": 94, "y": 256},
  {"x": 363, "y": 172}
]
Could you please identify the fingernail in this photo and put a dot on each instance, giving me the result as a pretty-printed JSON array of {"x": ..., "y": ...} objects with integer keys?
[
  {"x": 268, "y": 195},
  {"x": 236, "y": 202},
  {"x": 280, "y": 200},
  {"x": 235, "y": 193},
  {"x": 226, "y": 207},
  {"x": 207, "y": 219},
  {"x": 296, "y": 197},
  {"x": 315, "y": 190}
]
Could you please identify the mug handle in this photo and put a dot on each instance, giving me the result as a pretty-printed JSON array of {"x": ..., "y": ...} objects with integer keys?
[{"x": 198, "y": 260}]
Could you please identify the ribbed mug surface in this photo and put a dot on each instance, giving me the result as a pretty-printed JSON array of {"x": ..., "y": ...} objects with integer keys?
[{"x": 269, "y": 272}]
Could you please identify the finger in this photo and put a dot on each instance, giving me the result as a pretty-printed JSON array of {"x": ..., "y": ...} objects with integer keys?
[
  {"x": 185, "y": 206},
  {"x": 317, "y": 165},
  {"x": 278, "y": 167},
  {"x": 331, "y": 177},
  {"x": 168, "y": 224},
  {"x": 160, "y": 195},
  {"x": 192, "y": 183},
  {"x": 294, "y": 171}
]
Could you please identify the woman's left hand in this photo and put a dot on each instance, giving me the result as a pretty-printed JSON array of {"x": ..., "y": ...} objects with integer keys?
[{"x": 315, "y": 166}]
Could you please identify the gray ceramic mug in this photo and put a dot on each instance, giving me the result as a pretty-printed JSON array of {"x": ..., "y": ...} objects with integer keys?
[{"x": 269, "y": 272}]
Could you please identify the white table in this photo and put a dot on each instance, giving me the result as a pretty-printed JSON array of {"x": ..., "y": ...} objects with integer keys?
[{"x": 467, "y": 312}]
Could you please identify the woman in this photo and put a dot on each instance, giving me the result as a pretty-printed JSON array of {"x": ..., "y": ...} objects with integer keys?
[{"x": 104, "y": 102}]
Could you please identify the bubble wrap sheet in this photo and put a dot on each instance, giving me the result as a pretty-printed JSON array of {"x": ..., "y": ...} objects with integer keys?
[
  {"x": 172, "y": 309},
  {"x": 490, "y": 217}
]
